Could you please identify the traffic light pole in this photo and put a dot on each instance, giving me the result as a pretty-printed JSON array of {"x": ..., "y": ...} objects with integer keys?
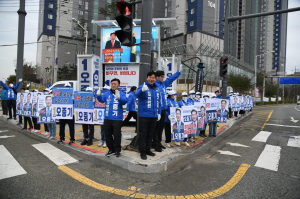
[{"x": 226, "y": 50}]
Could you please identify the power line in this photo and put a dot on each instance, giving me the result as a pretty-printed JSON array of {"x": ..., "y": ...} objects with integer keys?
[{"x": 24, "y": 43}]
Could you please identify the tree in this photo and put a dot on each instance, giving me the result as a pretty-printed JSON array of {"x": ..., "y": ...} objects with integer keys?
[
  {"x": 11, "y": 78},
  {"x": 239, "y": 82},
  {"x": 67, "y": 73}
]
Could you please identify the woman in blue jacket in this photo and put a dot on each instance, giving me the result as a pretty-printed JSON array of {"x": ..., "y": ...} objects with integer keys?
[
  {"x": 130, "y": 109},
  {"x": 171, "y": 102}
]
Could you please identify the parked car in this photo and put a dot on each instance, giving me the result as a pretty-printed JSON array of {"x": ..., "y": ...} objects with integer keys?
[{"x": 298, "y": 102}]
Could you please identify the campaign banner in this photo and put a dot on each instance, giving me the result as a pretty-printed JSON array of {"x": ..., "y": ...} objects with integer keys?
[
  {"x": 44, "y": 109},
  {"x": 298, "y": 97},
  {"x": 247, "y": 103},
  {"x": 169, "y": 70},
  {"x": 19, "y": 103},
  {"x": 273, "y": 99},
  {"x": 235, "y": 106},
  {"x": 62, "y": 103},
  {"x": 27, "y": 105},
  {"x": 202, "y": 120},
  {"x": 256, "y": 90},
  {"x": 177, "y": 126},
  {"x": 99, "y": 109},
  {"x": 241, "y": 102},
  {"x": 223, "y": 112},
  {"x": 266, "y": 99},
  {"x": 189, "y": 117},
  {"x": 212, "y": 106},
  {"x": 279, "y": 98},
  {"x": 84, "y": 107},
  {"x": 114, "y": 52},
  {"x": 35, "y": 99}
]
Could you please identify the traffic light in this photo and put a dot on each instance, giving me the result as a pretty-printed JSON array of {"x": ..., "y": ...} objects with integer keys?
[
  {"x": 125, "y": 22},
  {"x": 223, "y": 66}
]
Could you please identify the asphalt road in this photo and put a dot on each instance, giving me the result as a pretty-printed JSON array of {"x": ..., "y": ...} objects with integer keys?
[{"x": 200, "y": 173}]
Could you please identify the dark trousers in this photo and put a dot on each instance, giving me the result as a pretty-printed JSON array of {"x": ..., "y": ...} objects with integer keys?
[
  {"x": 35, "y": 124},
  {"x": 11, "y": 104},
  {"x": 20, "y": 119},
  {"x": 203, "y": 131},
  {"x": 146, "y": 128},
  {"x": 168, "y": 132},
  {"x": 129, "y": 116},
  {"x": 4, "y": 107},
  {"x": 112, "y": 130},
  {"x": 157, "y": 137},
  {"x": 235, "y": 113},
  {"x": 27, "y": 119},
  {"x": 46, "y": 127},
  {"x": 230, "y": 113},
  {"x": 86, "y": 133},
  {"x": 62, "y": 124}
]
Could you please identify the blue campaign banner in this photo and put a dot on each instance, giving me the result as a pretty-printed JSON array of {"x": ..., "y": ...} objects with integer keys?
[
  {"x": 62, "y": 103},
  {"x": 84, "y": 107},
  {"x": 289, "y": 81},
  {"x": 212, "y": 105},
  {"x": 99, "y": 109}
]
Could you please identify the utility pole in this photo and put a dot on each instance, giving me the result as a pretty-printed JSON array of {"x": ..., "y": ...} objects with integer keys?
[
  {"x": 56, "y": 40},
  {"x": 295, "y": 86},
  {"x": 226, "y": 48},
  {"x": 20, "y": 52},
  {"x": 264, "y": 84}
]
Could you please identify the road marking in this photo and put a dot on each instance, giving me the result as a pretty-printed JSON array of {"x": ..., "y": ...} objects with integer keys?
[
  {"x": 252, "y": 125},
  {"x": 236, "y": 144},
  {"x": 7, "y": 136},
  {"x": 262, "y": 136},
  {"x": 134, "y": 194},
  {"x": 283, "y": 125},
  {"x": 269, "y": 158},
  {"x": 3, "y": 131},
  {"x": 228, "y": 153},
  {"x": 294, "y": 141},
  {"x": 267, "y": 120},
  {"x": 296, "y": 108},
  {"x": 293, "y": 120},
  {"x": 9, "y": 167},
  {"x": 56, "y": 155}
]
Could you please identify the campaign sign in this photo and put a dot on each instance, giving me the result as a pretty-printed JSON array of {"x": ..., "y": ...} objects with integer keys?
[
  {"x": 223, "y": 112},
  {"x": 235, "y": 106},
  {"x": 212, "y": 106},
  {"x": 19, "y": 103},
  {"x": 44, "y": 109},
  {"x": 189, "y": 117},
  {"x": 84, "y": 107},
  {"x": 62, "y": 103},
  {"x": 247, "y": 104},
  {"x": 99, "y": 109},
  {"x": 241, "y": 102},
  {"x": 35, "y": 99},
  {"x": 27, "y": 105},
  {"x": 177, "y": 126},
  {"x": 200, "y": 107}
]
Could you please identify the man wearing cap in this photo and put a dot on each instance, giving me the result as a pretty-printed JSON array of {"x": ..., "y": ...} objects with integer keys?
[
  {"x": 162, "y": 85},
  {"x": 192, "y": 99},
  {"x": 112, "y": 43},
  {"x": 184, "y": 100},
  {"x": 198, "y": 96},
  {"x": 218, "y": 95}
]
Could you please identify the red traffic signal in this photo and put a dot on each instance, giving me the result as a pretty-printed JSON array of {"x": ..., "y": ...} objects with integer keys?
[
  {"x": 125, "y": 22},
  {"x": 125, "y": 8},
  {"x": 223, "y": 66}
]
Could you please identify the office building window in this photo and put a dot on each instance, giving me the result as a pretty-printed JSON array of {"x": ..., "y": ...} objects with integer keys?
[
  {"x": 67, "y": 63},
  {"x": 192, "y": 23},
  {"x": 80, "y": 12},
  {"x": 169, "y": 41},
  {"x": 67, "y": 52},
  {"x": 50, "y": 5},
  {"x": 50, "y": 16},
  {"x": 169, "y": 9},
  {"x": 191, "y": 35},
  {"x": 47, "y": 59},
  {"x": 86, "y": 5},
  {"x": 48, "y": 48},
  {"x": 80, "y": 2},
  {"x": 49, "y": 27},
  {"x": 192, "y": 10}
]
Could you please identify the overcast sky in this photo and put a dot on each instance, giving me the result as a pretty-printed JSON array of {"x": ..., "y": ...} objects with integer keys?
[{"x": 9, "y": 35}]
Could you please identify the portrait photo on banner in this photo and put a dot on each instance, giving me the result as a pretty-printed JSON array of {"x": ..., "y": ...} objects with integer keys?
[
  {"x": 45, "y": 109},
  {"x": 177, "y": 126}
]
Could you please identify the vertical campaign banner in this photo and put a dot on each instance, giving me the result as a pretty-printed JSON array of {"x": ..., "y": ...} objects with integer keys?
[
  {"x": 177, "y": 126},
  {"x": 247, "y": 104},
  {"x": 189, "y": 118},
  {"x": 27, "y": 105},
  {"x": 62, "y": 103},
  {"x": 35, "y": 99},
  {"x": 169, "y": 68},
  {"x": 44, "y": 109},
  {"x": 84, "y": 107},
  {"x": 241, "y": 102},
  {"x": 223, "y": 112},
  {"x": 88, "y": 71},
  {"x": 99, "y": 109},
  {"x": 235, "y": 106},
  {"x": 19, "y": 103},
  {"x": 212, "y": 106},
  {"x": 200, "y": 107}
]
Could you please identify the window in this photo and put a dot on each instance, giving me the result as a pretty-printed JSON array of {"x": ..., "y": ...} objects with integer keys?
[
  {"x": 81, "y": 2},
  {"x": 78, "y": 32},
  {"x": 169, "y": 9},
  {"x": 47, "y": 70},
  {"x": 169, "y": 30},
  {"x": 48, "y": 48},
  {"x": 67, "y": 52},
  {"x": 192, "y": 10},
  {"x": 175, "y": 41},
  {"x": 191, "y": 35},
  {"x": 50, "y": 5},
  {"x": 86, "y": 5},
  {"x": 192, "y": 23},
  {"x": 169, "y": 41},
  {"x": 80, "y": 12},
  {"x": 69, "y": 21},
  {"x": 68, "y": 31},
  {"x": 50, "y": 16},
  {"x": 67, "y": 63},
  {"x": 49, "y": 27},
  {"x": 47, "y": 59}
]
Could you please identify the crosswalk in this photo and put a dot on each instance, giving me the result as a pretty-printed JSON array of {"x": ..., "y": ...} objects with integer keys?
[{"x": 9, "y": 166}]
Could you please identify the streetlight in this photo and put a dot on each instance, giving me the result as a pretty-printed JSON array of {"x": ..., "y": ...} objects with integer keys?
[
  {"x": 86, "y": 34},
  {"x": 255, "y": 69}
]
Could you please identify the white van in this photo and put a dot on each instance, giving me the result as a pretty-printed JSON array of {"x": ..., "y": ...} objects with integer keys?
[{"x": 73, "y": 83}]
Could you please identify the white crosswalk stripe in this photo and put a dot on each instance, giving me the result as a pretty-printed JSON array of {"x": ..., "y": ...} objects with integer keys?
[
  {"x": 9, "y": 167},
  {"x": 294, "y": 141},
  {"x": 262, "y": 136},
  {"x": 56, "y": 155},
  {"x": 269, "y": 158}
]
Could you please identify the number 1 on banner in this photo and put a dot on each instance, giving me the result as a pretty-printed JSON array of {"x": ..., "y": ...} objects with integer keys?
[
  {"x": 95, "y": 119},
  {"x": 40, "y": 119},
  {"x": 173, "y": 138},
  {"x": 54, "y": 112},
  {"x": 76, "y": 116}
]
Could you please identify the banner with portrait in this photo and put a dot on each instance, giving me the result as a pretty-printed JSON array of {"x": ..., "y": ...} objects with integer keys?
[
  {"x": 212, "y": 106},
  {"x": 177, "y": 126},
  {"x": 19, "y": 103},
  {"x": 190, "y": 119},
  {"x": 35, "y": 99},
  {"x": 247, "y": 104},
  {"x": 62, "y": 103},
  {"x": 202, "y": 120},
  {"x": 27, "y": 105},
  {"x": 241, "y": 102},
  {"x": 222, "y": 113},
  {"x": 234, "y": 101},
  {"x": 84, "y": 107},
  {"x": 44, "y": 109}
]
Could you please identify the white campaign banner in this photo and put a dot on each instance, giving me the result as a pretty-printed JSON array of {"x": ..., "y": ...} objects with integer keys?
[
  {"x": 99, "y": 116},
  {"x": 273, "y": 99},
  {"x": 27, "y": 105},
  {"x": 19, "y": 105},
  {"x": 266, "y": 99}
]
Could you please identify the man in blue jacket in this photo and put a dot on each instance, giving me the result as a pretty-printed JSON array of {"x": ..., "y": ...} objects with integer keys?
[
  {"x": 149, "y": 96},
  {"x": 130, "y": 109},
  {"x": 11, "y": 97},
  {"x": 162, "y": 85},
  {"x": 4, "y": 101},
  {"x": 113, "y": 116}
]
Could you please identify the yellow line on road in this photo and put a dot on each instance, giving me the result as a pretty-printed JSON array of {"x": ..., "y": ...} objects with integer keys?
[
  {"x": 252, "y": 125},
  {"x": 133, "y": 194},
  {"x": 266, "y": 120}
]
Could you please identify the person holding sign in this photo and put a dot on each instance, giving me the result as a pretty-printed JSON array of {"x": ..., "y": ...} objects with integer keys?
[
  {"x": 223, "y": 113},
  {"x": 171, "y": 103},
  {"x": 202, "y": 119},
  {"x": 26, "y": 117},
  {"x": 192, "y": 99},
  {"x": 162, "y": 85},
  {"x": 149, "y": 96},
  {"x": 113, "y": 116},
  {"x": 178, "y": 126},
  {"x": 198, "y": 96},
  {"x": 184, "y": 101}
]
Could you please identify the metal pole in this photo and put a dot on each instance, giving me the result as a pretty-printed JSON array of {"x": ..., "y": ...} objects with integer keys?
[
  {"x": 264, "y": 89},
  {"x": 20, "y": 51},
  {"x": 86, "y": 37},
  {"x": 53, "y": 62},
  {"x": 226, "y": 47},
  {"x": 255, "y": 75},
  {"x": 56, "y": 40}
]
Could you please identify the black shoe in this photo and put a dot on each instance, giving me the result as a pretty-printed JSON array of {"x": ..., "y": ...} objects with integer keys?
[
  {"x": 90, "y": 142},
  {"x": 214, "y": 136},
  {"x": 161, "y": 146},
  {"x": 110, "y": 153},
  {"x": 9, "y": 118},
  {"x": 24, "y": 128},
  {"x": 150, "y": 153},
  {"x": 158, "y": 149},
  {"x": 84, "y": 142},
  {"x": 118, "y": 154},
  {"x": 15, "y": 118},
  {"x": 71, "y": 142},
  {"x": 19, "y": 123},
  {"x": 143, "y": 156}
]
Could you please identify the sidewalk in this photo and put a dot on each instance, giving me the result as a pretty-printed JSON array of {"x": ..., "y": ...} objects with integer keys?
[{"x": 130, "y": 159}]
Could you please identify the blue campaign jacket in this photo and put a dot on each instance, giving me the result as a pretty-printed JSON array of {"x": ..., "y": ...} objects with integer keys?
[
  {"x": 163, "y": 85},
  {"x": 113, "y": 106},
  {"x": 10, "y": 93},
  {"x": 182, "y": 103},
  {"x": 150, "y": 101},
  {"x": 131, "y": 102},
  {"x": 4, "y": 95},
  {"x": 228, "y": 98},
  {"x": 170, "y": 103},
  {"x": 219, "y": 96}
]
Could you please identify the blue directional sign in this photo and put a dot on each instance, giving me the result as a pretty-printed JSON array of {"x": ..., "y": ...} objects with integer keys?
[{"x": 289, "y": 81}]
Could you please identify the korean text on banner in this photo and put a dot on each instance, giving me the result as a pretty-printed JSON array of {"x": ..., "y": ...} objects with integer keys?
[
  {"x": 84, "y": 107},
  {"x": 234, "y": 101},
  {"x": 223, "y": 112},
  {"x": 212, "y": 106},
  {"x": 202, "y": 120},
  {"x": 27, "y": 105},
  {"x": 35, "y": 99},
  {"x": 19, "y": 104},
  {"x": 45, "y": 109},
  {"x": 189, "y": 118},
  {"x": 62, "y": 103},
  {"x": 177, "y": 126},
  {"x": 99, "y": 109}
]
